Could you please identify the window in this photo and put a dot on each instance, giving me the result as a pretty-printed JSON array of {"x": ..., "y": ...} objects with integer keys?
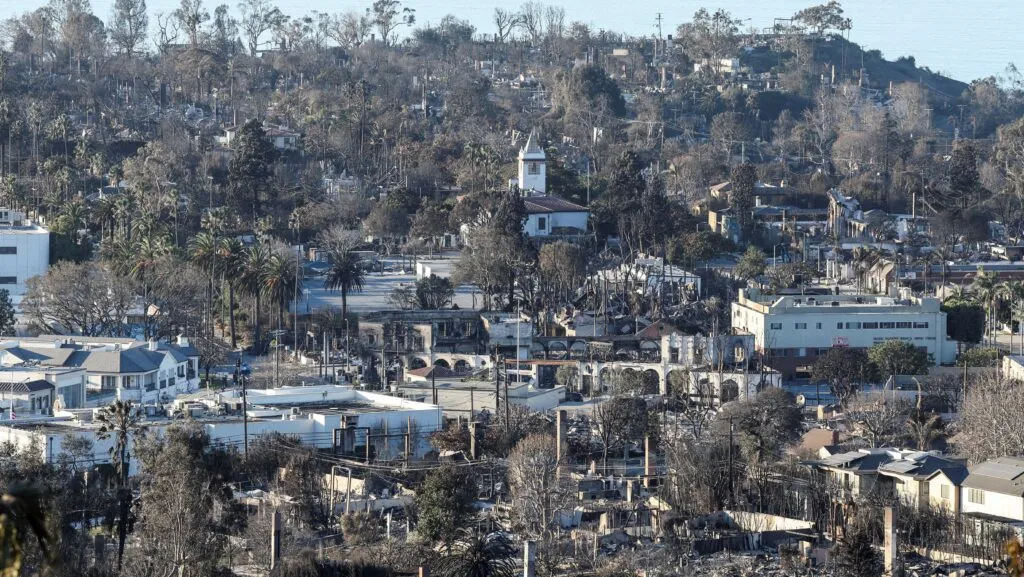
[
  {"x": 944, "y": 491},
  {"x": 839, "y": 325},
  {"x": 920, "y": 325},
  {"x": 107, "y": 383},
  {"x": 8, "y": 280},
  {"x": 533, "y": 168},
  {"x": 8, "y": 250},
  {"x": 904, "y": 325},
  {"x": 800, "y": 325},
  {"x": 819, "y": 326},
  {"x": 776, "y": 326},
  {"x": 976, "y": 496},
  {"x": 870, "y": 325},
  {"x": 853, "y": 325},
  {"x": 542, "y": 223},
  {"x": 886, "y": 325}
]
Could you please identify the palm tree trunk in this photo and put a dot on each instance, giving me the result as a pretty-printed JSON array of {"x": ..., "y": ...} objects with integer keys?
[
  {"x": 231, "y": 314},
  {"x": 256, "y": 326},
  {"x": 344, "y": 303}
]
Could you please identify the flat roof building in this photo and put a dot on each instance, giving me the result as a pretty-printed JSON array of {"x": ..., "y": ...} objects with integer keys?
[
  {"x": 352, "y": 422},
  {"x": 791, "y": 331},
  {"x": 24, "y": 252}
]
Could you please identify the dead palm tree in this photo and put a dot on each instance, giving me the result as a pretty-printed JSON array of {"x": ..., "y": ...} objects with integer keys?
[{"x": 925, "y": 428}]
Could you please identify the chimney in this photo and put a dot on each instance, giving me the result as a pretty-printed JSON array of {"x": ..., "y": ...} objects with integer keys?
[
  {"x": 561, "y": 432},
  {"x": 275, "y": 539},
  {"x": 152, "y": 344},
  {"x": 648, "y": 461},
  {"x": 472, "y": 441},
  {"x": 891, "y": 543},
  {"x": 529, "y": 559}
]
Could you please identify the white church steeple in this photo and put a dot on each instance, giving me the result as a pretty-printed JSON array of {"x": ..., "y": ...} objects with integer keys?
[{"x": 532, "y": 167}]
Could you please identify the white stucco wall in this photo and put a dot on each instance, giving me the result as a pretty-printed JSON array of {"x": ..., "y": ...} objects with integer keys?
[
  {"x": 552, "y": 220},
  {"x": 31, "y": 258},
  {"x": 1008, "y": 506}
]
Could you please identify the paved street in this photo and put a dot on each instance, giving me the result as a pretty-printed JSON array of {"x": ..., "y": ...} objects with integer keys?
[{"x": 377, "y": 286}]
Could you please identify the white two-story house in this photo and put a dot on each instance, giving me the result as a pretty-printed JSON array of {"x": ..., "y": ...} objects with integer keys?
[
  {"x": 139, "y": 371},
  {"x": 995, "y": 490}
]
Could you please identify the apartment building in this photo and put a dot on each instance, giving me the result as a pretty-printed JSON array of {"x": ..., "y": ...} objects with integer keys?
[{"x": 791, "y": 331}]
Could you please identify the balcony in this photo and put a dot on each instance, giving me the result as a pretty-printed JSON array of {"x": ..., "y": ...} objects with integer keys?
[{"x": 133, "y": 395}]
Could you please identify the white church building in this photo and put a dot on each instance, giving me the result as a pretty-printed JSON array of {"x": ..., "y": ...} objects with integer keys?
[{"x": 547, "y": 215}]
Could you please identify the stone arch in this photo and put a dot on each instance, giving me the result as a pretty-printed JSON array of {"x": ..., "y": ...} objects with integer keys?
[
  {"x": 537, "y": 350},
  {"x": 677, "y": 383},
  {"x": 417, "y": 363},
  {"x": 704, "y": 392},
  {"x": 730, "y": 391},
  {"x": 650, "y": 351},
  {"x": 578, "y": 350},
  {"x": 652, "y": 382},
  {"x": 604, "y": 377},
  {"x": 442, "y": 363},
  {"x": 461, "y": 366},
  {"x": 557, "y": 350}
]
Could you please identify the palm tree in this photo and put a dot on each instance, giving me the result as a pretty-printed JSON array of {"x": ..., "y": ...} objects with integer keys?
[
  {"x": 986, "y": 286},
  {"x": 122, "y": 212},
  {"x": 1013, "y": 291},
  {"x": 172, "y": 200},
  {"x": 74, "y": 215},
  {"x": 254, "y": 264},
  {"x": 346, "y": 274},
  {"x": 148, "y": 252},
  {"x": 942, "y": 255},
  {"x": 204, "y": 248},
  {"x": 229, "y": 257},
  {"x": 477, "y": 556},
  {"x": 121, "y": 421},
  {"x": 280, "y": 281}
]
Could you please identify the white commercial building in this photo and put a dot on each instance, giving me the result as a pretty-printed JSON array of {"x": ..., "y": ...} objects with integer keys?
[
  {"x": 24, "y": 252},
  {"x": 792, "y": 331},
  {"x": 349, "y": 421}
]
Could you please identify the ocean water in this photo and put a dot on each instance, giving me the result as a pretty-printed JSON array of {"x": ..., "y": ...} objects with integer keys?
[{"x": 965, "y": 39}]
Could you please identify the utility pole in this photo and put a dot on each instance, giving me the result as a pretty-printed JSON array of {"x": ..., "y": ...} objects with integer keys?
[
  {"x": 730, "y": 461},
  {"x": 240, "y": 379},
  {"x": 245, "y": 419}
]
